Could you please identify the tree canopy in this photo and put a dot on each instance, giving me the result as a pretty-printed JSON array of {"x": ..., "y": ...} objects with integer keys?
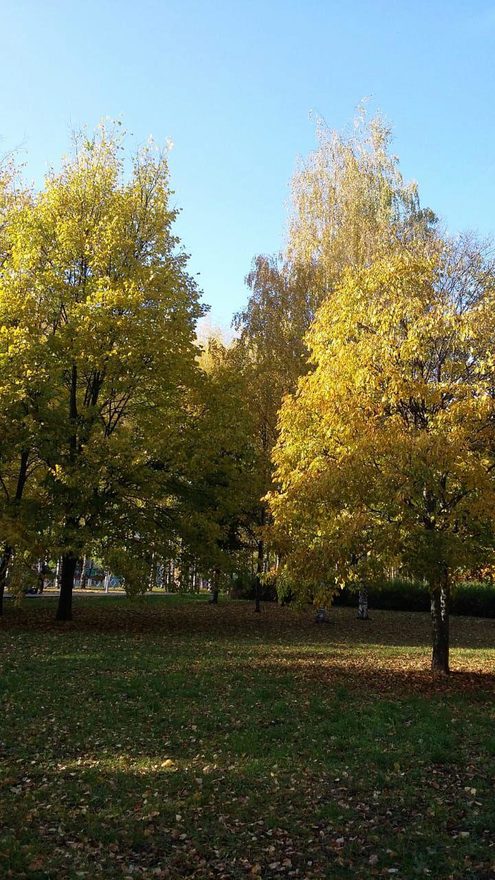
[
  {"x": 386, "y": 451},
  {"x": 98, "y": 316},
  {"x": 354, "y": 406}
]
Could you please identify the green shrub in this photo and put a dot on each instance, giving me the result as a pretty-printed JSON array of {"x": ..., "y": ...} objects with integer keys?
[
  {"x": 397, "y": 594},
  {"x": 471, "y": 598},
  {"x": 243, "y": 586},
  {"x": 474, "y": 598}
]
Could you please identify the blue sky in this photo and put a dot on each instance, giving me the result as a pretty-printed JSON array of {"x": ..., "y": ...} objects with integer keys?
[{"x": 234, "y": 84}]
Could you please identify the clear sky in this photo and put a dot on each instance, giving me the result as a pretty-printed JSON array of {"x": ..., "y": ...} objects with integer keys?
[{"x": 233, "y": 83}]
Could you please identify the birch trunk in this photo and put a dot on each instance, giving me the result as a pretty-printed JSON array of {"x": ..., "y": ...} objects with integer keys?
[
  {"x": 440, "y": 599},
  {"x": 363, "y": 604}
]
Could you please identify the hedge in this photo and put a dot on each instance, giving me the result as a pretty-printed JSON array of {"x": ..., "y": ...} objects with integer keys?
[{"x": 471, "y": 598}]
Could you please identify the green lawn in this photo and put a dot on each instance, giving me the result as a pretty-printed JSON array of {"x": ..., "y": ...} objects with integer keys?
[{"x": 175, "y": 739}]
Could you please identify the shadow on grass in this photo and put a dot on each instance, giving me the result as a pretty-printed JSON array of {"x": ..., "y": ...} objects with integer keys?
[{"x": 157, "y": 615}]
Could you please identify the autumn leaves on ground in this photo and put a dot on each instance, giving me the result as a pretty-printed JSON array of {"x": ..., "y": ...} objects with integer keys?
[{"x": 174, "y": 739}]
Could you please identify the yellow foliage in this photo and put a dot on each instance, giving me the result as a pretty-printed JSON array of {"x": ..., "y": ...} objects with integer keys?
[{"x": 386, "y": 454}]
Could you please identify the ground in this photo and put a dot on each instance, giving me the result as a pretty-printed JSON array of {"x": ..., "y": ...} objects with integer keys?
[{"x": 176, "y": 739}]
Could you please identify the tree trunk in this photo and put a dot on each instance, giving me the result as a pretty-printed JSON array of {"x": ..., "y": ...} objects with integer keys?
[
  {"x": 68, "y": 570},
  {"x": 168, "y": 569},
  {"x": 40, "y": 580},
  {"x": 153, "y": 573},
  {"x": 69, "y": 559},
  {"x": 4, "y": 564},
  {"x": 8, "y": 550},
  {"x": 363, "y": 604},
  {"x": 215, "y": 587},
  {"x": 84, "y": 577},
  {"x": 440, "y": 627},
  {"x": 260, "y": 563},
  {"x": 259, "y": 574},
  {"x": 185, "y": 577},
  {"x": 58, "y": 569}
]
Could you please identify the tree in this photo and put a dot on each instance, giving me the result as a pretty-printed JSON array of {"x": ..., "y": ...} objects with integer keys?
[
  {"x": 386, "y": 456},
  {"x": 223, "y": 487},
  {"x": 23, "y": 521},
  {"x": 95, "y": 275},
  {"x": 350, "y": 205},
  {"x": 271, "y": 354},
  {"x": 21, "y": 371}
]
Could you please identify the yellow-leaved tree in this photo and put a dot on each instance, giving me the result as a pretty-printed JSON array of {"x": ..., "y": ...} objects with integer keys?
[
  {"x": 99, "y": 312},
  {"x": 223, "y": 463},
  {"x": 386, "y": 456},
  {"x": 350, "y": 205},
  {"x": 21, "y": 380}
]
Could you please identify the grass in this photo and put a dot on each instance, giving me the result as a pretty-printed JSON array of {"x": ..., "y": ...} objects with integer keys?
[{"x": 175, "y": 739}]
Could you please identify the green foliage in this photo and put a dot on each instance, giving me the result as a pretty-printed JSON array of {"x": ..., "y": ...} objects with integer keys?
[
  {"x": 243, "y": 584},
  {"x": 469, "y": 598},
  {"x": 401, "y": 594},
  {"x": 222, "y": 464},
  {"x": 244, "y": 587},
  {"x": 474, "y": 598},
  {"x": 23, "y": 575},
  {"x": 127, "y": 563}
]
